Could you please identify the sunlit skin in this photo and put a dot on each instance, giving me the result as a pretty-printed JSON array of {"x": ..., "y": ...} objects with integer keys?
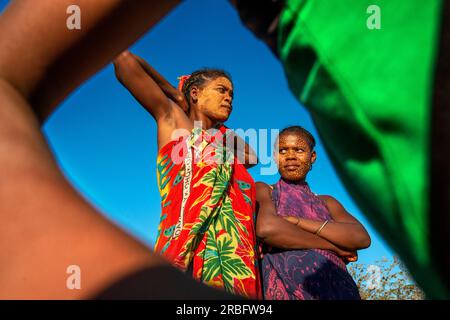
[
  {"x": 343, "y": 234},
  {"x": 209, "y": 104},
  {"x": 46, "y": 225},
  {"x": 212, "y": 102},
  {"x": 294, "y": 157}
]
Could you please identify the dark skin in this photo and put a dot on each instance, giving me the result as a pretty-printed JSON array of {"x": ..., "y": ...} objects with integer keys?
[
  {"x": 211, "y": 104},
  {"x": 49, "y": 224},
  {"x": 268, "y": 226},
  {"x": 46, "y": 225},
  {"x": 343, "y": 235}
]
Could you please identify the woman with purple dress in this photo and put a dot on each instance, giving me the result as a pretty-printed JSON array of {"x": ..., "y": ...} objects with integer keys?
[{"x": 308, "y": 239}]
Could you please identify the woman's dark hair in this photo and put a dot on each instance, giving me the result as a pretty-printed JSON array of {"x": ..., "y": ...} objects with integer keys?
[
  {"x": 200, "y": 77},
  {"x": 301, "y": 131}
]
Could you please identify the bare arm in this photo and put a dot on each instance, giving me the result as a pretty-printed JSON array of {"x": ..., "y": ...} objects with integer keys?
[
  {"x": 279, "y": 233},
  {"x": 171, "y": 92},
  {"x": 344, "y": 230},
  {"x": 45, "y": 61},
  {"x": 45, "y": 225},
  {"x": 154, "y": 94},
  {"x": 142, "y": 86}
]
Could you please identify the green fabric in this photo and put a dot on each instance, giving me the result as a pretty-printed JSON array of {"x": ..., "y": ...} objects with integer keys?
[{"x": 369, "y": 93}]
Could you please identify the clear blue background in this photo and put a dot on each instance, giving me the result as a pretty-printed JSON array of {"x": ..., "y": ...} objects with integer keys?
[{"x": 106, "y": 143}]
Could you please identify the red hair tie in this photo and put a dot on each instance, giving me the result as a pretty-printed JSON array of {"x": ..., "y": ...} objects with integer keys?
[{"x": 181, "y": 82}]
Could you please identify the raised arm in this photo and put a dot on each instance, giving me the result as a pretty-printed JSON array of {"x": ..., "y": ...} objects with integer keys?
[
  {"x": 44, "y": 60},
  {"x": 155, "y": 94},
  {"x": 132, "y": 75},
  {"x": 45, "y": 225},
  {"x": 343, "y": 231},
  {"x": 279, "y": 233},
  {"x": 169, "y": 90}
]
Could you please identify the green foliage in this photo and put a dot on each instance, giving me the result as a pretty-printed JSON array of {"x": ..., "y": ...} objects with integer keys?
[{"x": 385, "y": 280}]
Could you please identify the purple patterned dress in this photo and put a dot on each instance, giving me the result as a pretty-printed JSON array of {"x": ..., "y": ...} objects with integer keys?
[{"x": 311, "y": 274}]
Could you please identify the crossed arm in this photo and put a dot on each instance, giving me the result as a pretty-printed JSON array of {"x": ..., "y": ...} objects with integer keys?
[
  {"x": 343, "y": 231},
  {"x": 282, "y": 233}
]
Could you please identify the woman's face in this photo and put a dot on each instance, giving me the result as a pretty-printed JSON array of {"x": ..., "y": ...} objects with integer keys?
[
  {"x": 294, "y": 157},
  {"x": 215, "y": 99}
]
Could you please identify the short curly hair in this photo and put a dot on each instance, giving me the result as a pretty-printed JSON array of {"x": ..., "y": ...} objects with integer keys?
[
  {"x": 200, "y": 77},
  {"x": 300, "y": 131}
]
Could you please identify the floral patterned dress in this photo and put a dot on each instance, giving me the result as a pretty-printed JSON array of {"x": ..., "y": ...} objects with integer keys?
[{"x": 207, "y": 225}]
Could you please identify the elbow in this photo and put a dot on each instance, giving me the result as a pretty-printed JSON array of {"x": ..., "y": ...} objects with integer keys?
[
  {"x": 179, "y": 98},
  {"x": 356, "y": 241},
  {"x": 124, "y": 64},
  {"x": 362, "y": 241},
  {"x": 123, "y": 57},
  {"x": 264, "y": 230},
  {"x": 366, "y": 242},
  {"x": 357, "y": 238},
  {"x": 260, "y": 231}
]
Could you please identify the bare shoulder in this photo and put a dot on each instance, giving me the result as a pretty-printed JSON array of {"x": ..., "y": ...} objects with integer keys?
[
  {"x": 337, "y": 210},
  {"x": 263, "y": 191},
  {"x": 330, "y": 201},
  {"x": 262, "y": 185},
  {"x": 326, "y": 198}
]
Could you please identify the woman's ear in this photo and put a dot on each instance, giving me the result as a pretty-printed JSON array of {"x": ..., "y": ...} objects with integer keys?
[
  {"x": 194, "y": 94},
  {"x": 313, "y": 156}
]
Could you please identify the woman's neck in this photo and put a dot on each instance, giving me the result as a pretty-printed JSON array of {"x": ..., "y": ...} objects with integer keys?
[
  {"x": 205, "y": 122},
  {"x": 296, "y": 182}
]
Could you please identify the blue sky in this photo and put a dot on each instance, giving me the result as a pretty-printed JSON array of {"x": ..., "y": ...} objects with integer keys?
[{"x": 106, "y": 143}]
